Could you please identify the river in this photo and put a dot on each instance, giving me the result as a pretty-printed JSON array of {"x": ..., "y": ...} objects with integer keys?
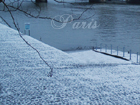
[{"x": 117, "y": 25}]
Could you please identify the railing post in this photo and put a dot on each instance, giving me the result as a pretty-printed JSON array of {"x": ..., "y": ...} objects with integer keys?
[
  {"x": 117, "y": 50},
  {"x": 137, "y": 56},
  {"x": 100, "y": 47},
  {"x": 29, "y": 32},
  {"x": 130, "y": 54},
  {"x": 111, "y": 49},
  {"x": 123, "y": 51}
]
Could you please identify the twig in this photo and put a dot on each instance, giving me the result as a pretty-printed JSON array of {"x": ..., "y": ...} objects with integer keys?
[{"x": 5, "y": 21}]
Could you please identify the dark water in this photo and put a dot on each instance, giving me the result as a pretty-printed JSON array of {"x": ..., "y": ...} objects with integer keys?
[{"x": 119, "y": 25}]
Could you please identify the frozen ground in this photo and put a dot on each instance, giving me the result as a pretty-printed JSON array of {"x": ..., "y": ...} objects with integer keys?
[{"x": 81, "y": 78}]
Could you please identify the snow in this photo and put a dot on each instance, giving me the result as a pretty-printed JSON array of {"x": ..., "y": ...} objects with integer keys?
[
  {"x": 91, "y": 57},
  {"x": 79, "y": 78}
]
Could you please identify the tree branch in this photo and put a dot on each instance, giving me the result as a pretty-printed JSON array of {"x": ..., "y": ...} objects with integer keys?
[
  {"x": 10, "y": 7},
  {"x": 5, "y": 21},
  {"x": 16, "y": 26}
]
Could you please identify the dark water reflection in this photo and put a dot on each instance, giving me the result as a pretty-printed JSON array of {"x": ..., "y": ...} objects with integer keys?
[{"x": 119, "y": 26}]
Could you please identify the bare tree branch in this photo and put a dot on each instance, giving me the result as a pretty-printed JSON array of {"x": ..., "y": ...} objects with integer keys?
[
  {"x": 11, "y": 7},
  {"x": 16, "y": 26},
  {"x": 5, "y": 21}
]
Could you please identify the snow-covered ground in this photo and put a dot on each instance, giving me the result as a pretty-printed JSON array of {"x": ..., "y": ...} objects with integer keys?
[
  {"x": 92, "y": 57},
  {"x": 79, "y": 78},
  {"x": 89, "y": 56}
]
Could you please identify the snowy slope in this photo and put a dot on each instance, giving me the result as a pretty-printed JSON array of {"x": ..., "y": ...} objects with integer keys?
[{"x": 24, "y": 76}]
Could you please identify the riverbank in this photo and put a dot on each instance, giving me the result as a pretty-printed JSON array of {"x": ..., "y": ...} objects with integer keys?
[
  {"x": 119, "y": 25},
  {"x": 78, "y": 77}
]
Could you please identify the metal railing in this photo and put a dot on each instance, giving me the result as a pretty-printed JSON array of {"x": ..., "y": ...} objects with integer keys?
[{"x": 119, "y": 52}]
